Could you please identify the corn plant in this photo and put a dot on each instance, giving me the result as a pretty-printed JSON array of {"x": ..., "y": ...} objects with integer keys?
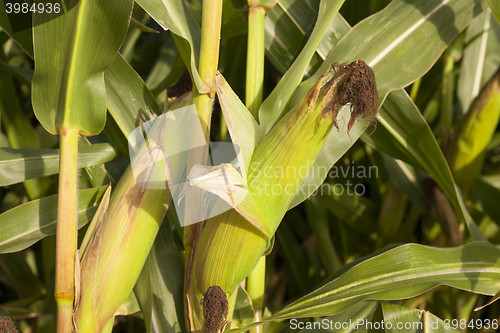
[{"x": 364, "y": 186}]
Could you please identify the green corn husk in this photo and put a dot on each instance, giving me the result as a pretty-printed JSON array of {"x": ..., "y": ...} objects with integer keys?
[
  {"x": 230, "y": 247},
  {"x": 468, "y": 151},
  {"x": 118, "y": 250}
]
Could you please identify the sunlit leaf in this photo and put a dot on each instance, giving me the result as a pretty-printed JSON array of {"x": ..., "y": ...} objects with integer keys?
[
  {"x": 26, "y": 224},
  {"x": 403, "y": 272},
  {"x": 68, "y": 86},
  {"x": 17, "y": 165}
]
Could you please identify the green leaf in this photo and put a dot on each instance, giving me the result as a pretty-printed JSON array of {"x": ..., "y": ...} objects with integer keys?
[
  {"x": 159, "y": 288},
  {"x": 277, "y": 102},
  {"x": 295, "y": 260},
  {"x": 362, "y": 311},
  {"x": 401, "y": 118},
  {"x": 22, "y": 74},
  {"x": 412, "y": 320},
  {"x": 289, "y": 23},
  {"x": 484, "y": 192},
  {"x": 480, "y": 58},
  {"x": 495, "y": 8},
  {"x": 68, "y": 85},
  {"x": 244, "y": 130},
  {"x": 15, "y": 272},
  {"x": 19, "y": 131},
  {"x": 17, "y": 126},
  {"x": 174, "y": 15},
  {"x": 233, "y": 23},
  {"x": 402, "y": 42},
  {"x": 17, "y": 165},
  {"x": 384, "y": 140},
  {"x": 403, "y": 272},
  {"x": 468, "y": 151},
  {"x": 22, "y": 37},
  {"x": 356, "y": 211},
  {"x": 128, "y": 307},
  {"x": 243, "y": 308},
  {"x": 26, "y": 224},
  {"x": 404, "y": 176},
  {"x": 105, "y": 173},
  {"x": 397, "y": 62},
  {"x": 129, "y": 100},
  {"x": 318, "y": 222},
  {"x": 164, "y": 66}
]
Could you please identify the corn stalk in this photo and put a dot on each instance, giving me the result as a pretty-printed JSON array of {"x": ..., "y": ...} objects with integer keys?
[
  {"x": 203, "y": 100},
  {"x": 257, "y": 11},
  {"x": 120, "y": 243}
]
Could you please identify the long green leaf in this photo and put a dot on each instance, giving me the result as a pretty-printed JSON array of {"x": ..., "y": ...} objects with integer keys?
[
  {"x": 26, "y": 224},
  {"x": 174, "y": 15},
  {"x": 484, "y": 192},
  {"x": 14, "y": 29},
  {"x": 129, "y": 100},
  {"x": 68, "y": 86},
  {"x": 318, "y": 222},
  {"x": 495, "y": 8},
  {"x": 480, "y": 58},
  {"x": 403, "y": 272},
  {"x": 413, "y": 320},
  {"x": 17, "y": 165},
  {"x": 396, "y": 63},
  {"x": 289, "y": 23},
  {"x": 404, "y": 176},
  {"x": 104, "y": 174},
  {"x": 160, "y": 285},
  {"x": 276, "y": 103},
  {"x": 467, "y": 153},
  {"x": 363, "y": 311},
  {"x": 19, "y": 131},
  {"x": 243, "y": 308},
  {"x": 15, "y": 272},
  {"x": 355, "y": 210},
  {"x": 402, "y": 41},
  {"x": 23, "y": 74},
  {"x": 401, "y": 118},
  {"x": 244, "y": 130}
]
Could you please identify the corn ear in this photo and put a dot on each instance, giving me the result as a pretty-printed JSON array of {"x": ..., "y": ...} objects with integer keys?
[
  {"x": 230, "y": 247},
  {"x": 282, "y": 161},
  {"x": 227, "y": 251},
  {"x": 120, "y": 244},
  {"x": 468, "y": 151}
]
